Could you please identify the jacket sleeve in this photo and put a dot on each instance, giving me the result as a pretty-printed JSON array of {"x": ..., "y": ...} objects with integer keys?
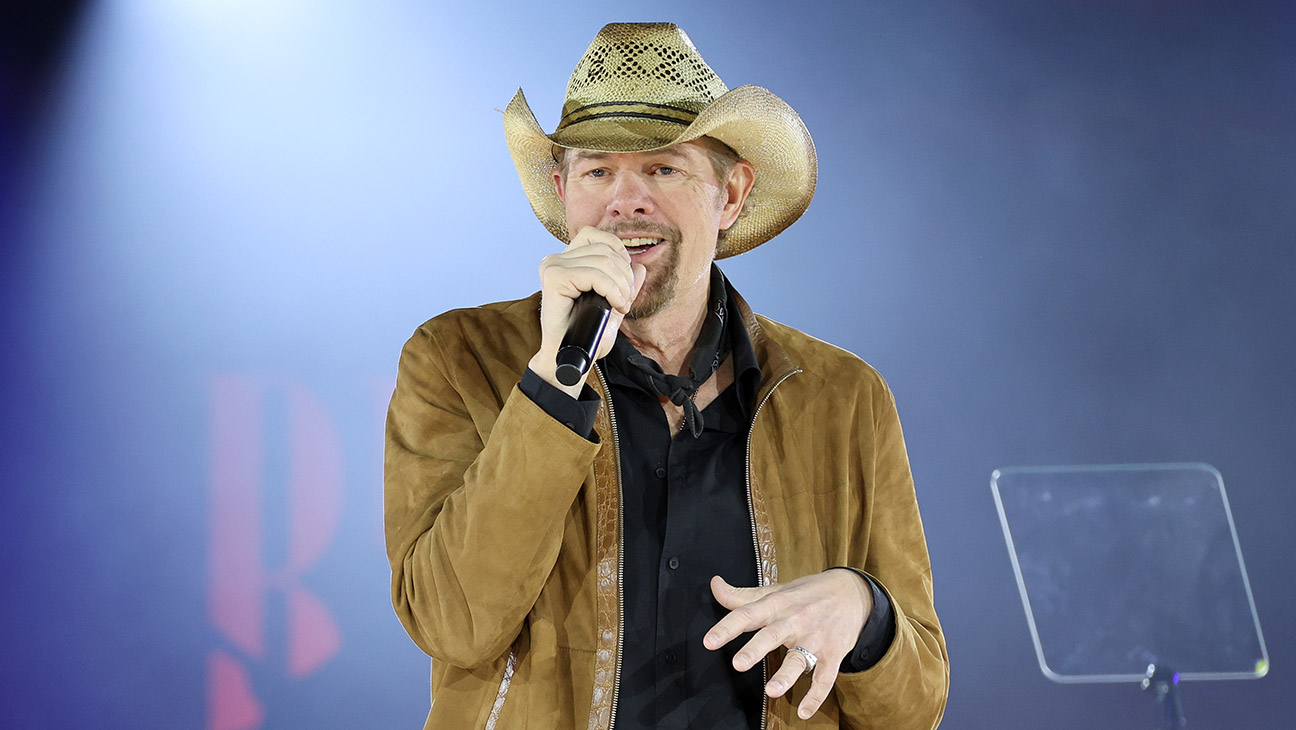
[
  {"x": 907, "y": 688},
  {"x": 478, "y": 482}
]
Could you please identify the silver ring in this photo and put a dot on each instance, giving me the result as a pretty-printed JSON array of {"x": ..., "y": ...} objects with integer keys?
[{"x": 810, "y": 659}]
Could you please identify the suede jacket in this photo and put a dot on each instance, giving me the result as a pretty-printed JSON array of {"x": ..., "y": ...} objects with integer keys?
[{"x": 503, "y": 526}]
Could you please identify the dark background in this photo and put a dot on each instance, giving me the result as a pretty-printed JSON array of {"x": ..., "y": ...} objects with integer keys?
[{"x": 1062, "y": 230}]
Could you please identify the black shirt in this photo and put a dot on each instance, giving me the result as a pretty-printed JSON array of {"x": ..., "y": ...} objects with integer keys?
[{"x": 686, "y": 518}]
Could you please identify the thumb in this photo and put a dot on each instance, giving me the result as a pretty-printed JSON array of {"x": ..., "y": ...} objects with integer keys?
[
  {"x": 732, "y": 597},
  {"x": 640, "y": 275}
]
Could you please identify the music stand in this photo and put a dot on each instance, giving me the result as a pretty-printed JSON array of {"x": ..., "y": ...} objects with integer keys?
[{"x": 1131, "y": 573}]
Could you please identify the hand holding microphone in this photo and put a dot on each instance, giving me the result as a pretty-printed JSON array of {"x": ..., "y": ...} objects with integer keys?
[
  {"x": 585, "y": 327},
  {"x": 586, "y": 289}
]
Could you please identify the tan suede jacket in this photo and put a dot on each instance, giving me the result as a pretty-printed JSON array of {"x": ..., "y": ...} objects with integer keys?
[{"x": 503, "y": 526}]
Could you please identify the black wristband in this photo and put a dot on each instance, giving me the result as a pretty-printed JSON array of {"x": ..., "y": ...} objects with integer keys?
[
  {"x": 879, "y": 628},
  {"x": 574, "y": 413}
]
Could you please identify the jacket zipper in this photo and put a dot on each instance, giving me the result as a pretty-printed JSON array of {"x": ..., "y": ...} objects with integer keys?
[
  {"x": 616, "y": 452},
  {"x": 751, "y": 511}
]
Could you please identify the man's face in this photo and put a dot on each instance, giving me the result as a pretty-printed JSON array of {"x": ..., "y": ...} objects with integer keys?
[{"x": 667, "y": 207}]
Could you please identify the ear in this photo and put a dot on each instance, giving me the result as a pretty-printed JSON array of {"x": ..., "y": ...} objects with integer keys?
[
  {"x": 741, "y": 179},
  {"x": 559, "y": 182}
]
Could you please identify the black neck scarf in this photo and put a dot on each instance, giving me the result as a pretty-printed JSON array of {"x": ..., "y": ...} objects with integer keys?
[{"x": 710, "y": 350}]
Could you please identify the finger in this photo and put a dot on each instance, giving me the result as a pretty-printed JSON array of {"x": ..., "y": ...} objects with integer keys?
[
  {"x": 595, "y": 256},
  {"x": 640, "y": 276},
  {"x": 732, "y": 597},
  {"x": 587, "y": 235},
  {"x": 824, "y": 676},
  {"x": 591, "y": 235},
  {"x": 788, "y": 673},
  {"x": 745, "y": 611},
  {"x": 571, "y": 275},
  {"x": 605, "y": 257},
  {"x": 571, "y": 280},
  {"x": 739, "y": 621},
  {"x": 766, "y": 640},
  {"x": 612, "y": 252}
]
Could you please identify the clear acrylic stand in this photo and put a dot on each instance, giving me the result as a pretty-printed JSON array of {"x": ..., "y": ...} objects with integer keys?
[{"x": 1131, "y": 573}]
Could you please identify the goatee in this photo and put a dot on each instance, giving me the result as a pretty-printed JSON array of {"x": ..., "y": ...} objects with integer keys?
[{"x": 658, "y": 289}]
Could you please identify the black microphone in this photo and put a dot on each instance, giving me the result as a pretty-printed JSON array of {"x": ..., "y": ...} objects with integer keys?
[{"x": 589, "y": 317}]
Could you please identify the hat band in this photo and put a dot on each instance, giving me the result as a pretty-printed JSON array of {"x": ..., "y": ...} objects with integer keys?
[{"x": 634, "y": 110}]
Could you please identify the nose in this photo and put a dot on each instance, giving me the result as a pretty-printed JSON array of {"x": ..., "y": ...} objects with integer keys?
[{"x": 630, "y": 197}]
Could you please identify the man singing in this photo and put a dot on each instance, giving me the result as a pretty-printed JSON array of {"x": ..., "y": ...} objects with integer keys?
[{"x": 716, "y": 526}]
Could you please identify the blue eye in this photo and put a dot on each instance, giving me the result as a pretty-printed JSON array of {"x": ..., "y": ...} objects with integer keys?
[
  {"x": 665, "y": 170},
  {"x": 599, "y": 172}
]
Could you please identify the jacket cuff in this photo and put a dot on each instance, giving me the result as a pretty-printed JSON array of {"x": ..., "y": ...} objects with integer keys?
[
  {"x": 576, "y": 414},
  {"x": 878, "y": 631}
]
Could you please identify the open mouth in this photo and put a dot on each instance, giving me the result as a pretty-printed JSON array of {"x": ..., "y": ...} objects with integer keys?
[{"x": 639, "y": 245}]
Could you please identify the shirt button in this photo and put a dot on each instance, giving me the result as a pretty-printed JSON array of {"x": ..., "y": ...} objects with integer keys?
[
  {"x": 661, "y": 472},
  {"x": 673, "y": 563},
  {"x": 671, "y": 658}
]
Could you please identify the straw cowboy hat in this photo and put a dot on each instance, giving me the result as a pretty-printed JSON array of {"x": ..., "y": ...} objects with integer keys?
[{"x": 644, "y": 86}]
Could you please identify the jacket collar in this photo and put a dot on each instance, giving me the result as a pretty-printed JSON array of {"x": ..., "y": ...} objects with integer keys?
[{"x": 770, "y": 355}]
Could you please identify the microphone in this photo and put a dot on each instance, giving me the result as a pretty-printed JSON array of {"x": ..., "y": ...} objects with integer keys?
[{"x": 589, "y": 318}]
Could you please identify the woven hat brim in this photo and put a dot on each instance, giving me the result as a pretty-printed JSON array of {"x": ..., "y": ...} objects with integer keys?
[{"x": 755, "y": 123}]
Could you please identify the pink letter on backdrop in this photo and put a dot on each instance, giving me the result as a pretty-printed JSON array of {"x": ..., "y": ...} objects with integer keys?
[
  {"x": 239, "y": 577},
  {"x": 315, "y": 501},
  {"x": 231, "y": 705}
]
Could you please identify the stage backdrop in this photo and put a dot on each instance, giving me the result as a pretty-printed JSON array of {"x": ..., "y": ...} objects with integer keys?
[{"x": 1062, "y": 230}]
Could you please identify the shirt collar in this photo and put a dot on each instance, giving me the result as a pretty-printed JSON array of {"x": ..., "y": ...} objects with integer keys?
[{"x": 747, "y": 372}]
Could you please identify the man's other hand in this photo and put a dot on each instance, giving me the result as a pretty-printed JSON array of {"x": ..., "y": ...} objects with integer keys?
[{"x": 822, "y": 613}]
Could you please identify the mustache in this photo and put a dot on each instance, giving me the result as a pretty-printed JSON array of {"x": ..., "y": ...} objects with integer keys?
[{"x": 645, "y": 228}]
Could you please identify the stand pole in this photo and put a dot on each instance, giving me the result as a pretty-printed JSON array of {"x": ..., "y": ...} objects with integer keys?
[{"x": 1164, "y": 681}]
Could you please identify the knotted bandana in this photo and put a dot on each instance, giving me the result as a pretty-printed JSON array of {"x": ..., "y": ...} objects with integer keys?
[{"x": 711, "y": 349}]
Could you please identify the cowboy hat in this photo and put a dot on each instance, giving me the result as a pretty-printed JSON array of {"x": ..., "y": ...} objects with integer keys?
[{"x": 644, "y": 86}]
